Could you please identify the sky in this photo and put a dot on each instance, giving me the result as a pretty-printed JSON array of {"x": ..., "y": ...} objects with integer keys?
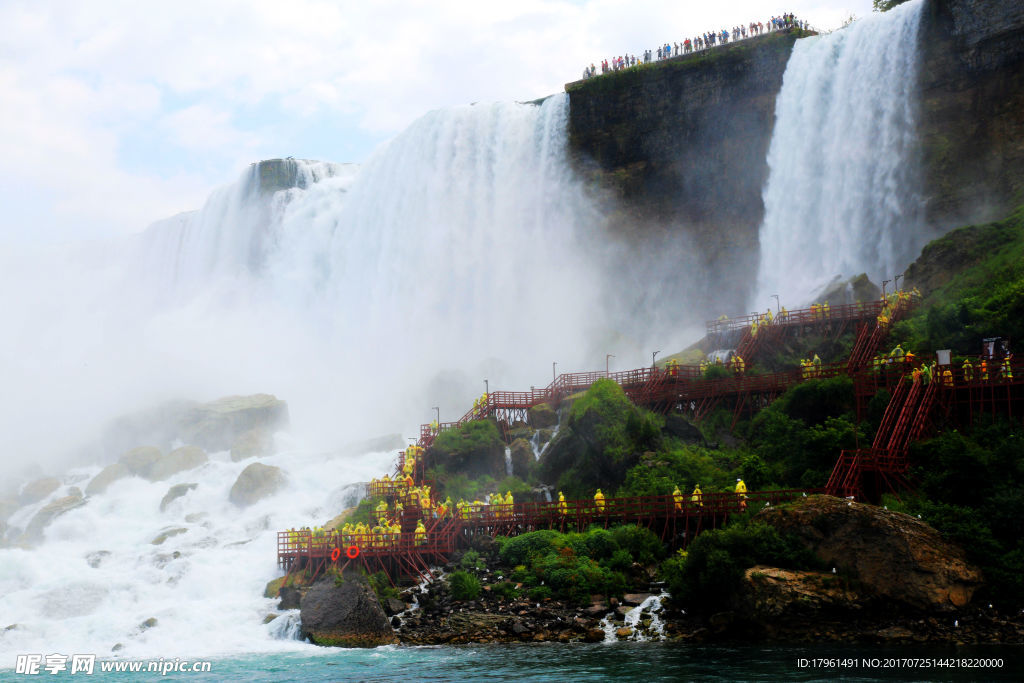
[{"x": 114, "y": 114}]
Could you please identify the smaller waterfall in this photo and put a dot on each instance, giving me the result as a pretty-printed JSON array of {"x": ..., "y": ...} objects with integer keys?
[
  {"x": 288, "y": 626},
  {"x": 842, "y": 194},
  {"x": 508, "y": 461}
]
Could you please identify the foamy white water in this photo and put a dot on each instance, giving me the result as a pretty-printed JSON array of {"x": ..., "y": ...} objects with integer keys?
[
  {"x": 842, "y": 195},
  {"x": 204, "y": 586}
]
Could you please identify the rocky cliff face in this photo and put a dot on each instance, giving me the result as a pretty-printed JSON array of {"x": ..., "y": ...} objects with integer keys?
[
  {"x": 972, "y": 109},
  {"x": 682, "y": 143}
]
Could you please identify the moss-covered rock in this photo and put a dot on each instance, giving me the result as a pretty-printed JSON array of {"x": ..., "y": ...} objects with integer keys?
[
  {"x": 542, "y": 415},
  {"x": 474, "y": 450},
  {"x": 254, "y": 443},
  {"x": 51, "y": 511},
  {"x": 175, "y": 492}
]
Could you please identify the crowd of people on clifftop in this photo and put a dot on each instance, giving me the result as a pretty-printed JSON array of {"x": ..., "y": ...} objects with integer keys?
[{"x": 702, "y": 42}]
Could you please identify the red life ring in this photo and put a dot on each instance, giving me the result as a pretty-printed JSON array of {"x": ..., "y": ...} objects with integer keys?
[
  {"x": 335, "y": 554},
  {"x": 352, "y": 552}
]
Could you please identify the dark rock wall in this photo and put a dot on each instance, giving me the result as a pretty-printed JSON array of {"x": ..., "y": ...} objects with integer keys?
[
  {"x": 683, "y": 144},
  {"x": 972, "y": 109},
  {"x": 679, "y": 147}
]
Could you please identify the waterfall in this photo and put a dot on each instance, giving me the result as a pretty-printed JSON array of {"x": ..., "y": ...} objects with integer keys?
[{"x": 842, "y": 193}]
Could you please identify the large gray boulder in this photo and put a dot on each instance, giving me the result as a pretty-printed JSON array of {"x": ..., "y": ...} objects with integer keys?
[
  {"x": 178, "y": 460},
  {"x": 39, "y": 489},
  {"x": 256, "y": 482},
  {"x": 140, "y": 460},
  {"x": 51, "y": 511},
  {"x": 8, "y": 506},
  {"x": 107, "y": 476},
  {"x": 174, "y": 493},
  {"x": 216, "y": 425},
  {"x": 344, "y": 614}
]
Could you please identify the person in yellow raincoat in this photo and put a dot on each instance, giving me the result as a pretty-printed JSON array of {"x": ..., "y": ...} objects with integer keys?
[
  {"x": 420, "y": 535},
  {"x": 677, "y": 498},
  {"x": 563, "y": 507},
  {"x": 741, "y": 491},
  {"x": 599, "y": 500},
  {"x": 697, "y": 497}
]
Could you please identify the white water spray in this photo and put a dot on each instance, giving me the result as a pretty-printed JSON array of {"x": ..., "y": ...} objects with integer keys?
[{"x": 842, "y": 195}]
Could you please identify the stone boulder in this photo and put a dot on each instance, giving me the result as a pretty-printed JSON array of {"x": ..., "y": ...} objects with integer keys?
[
  {"x": 256, "y": 482},
  {"x": 140, "y": 460},
  {"x": 178, "y": 460},
  {"x": 107, "y": 476},
  {"x": 894, "y": 556},
  {"x": 681, "y": 428},
  {"x": 215, "y": 426},
  {"x": 37, "y": 490},
  {"x": 254, "y": 443},
  {"x": 51, "y": 511},
  {"x": 541, "y": 416},
  {"x": 345, "y": 615},
  {"x": 768, "y": 593},
  {"x": 8, "y": 506},
  {"x": 175, "y": 492}
]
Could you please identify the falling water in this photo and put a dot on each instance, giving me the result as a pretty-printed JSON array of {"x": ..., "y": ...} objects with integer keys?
[{"x": 842, "y": 195}]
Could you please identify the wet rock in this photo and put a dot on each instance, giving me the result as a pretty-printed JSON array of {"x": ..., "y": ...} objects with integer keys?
[
  {"x": 178, "y": 460},
  {"x": 681, "y": 428},
  {"x": 894, "y": 556},
  {"x": 194, "y": 517},
  {"x": 51, "y": 511},
  {"x": 624, "y": 632},
  {"x": 393, "y": 606},
  {"x": 168, "y": 533},
  {"x": 269, "y": 618},
  {"x": 37, "y": 490},
  {"x": 291, "y": 598},
  {"x": 8, "y": 506},
  {"x": 107, "y": 476},
  {"x": 721, "y": 620},
  {"x": 346, "y": 615},
  {"x": 95, "y": 559},
  {"x": 634, "y": 598},
  {"x": 396, "y": 622},
  {"x": 895, "y": 633},
  {"x": 175, "y": 492},
  {"x": 148, "y": 624},
  {"x": 140, "y": 460},
  {"x": 623, "y": 610},
  {"x": 254, "y": 443},
  {"x": 257, "y": 481},
  {"x": 215, "y": 426},
  {"x": 597, "y": 609},
  {"x": 593, "y": 635},
  {"x": 519, "y": 628},
  {"x": 117, "y": 647},
  {"x": 273, "y": 587}
]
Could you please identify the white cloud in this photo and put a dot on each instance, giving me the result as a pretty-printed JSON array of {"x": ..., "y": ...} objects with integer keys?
[{"x": 228, "y": 82}]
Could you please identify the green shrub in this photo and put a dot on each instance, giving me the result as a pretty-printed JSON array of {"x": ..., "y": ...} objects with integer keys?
[
  {"x": 717, "y": 371},
  {"x": 540, "y": 593},
  {"x": 471, "y": 561},
  {"x": 382, "y": 586},
  {"x": 643, "y": 545},
  {"x": 464, "y": 586},
  {"x": 505, "y": 590},
  {"x": 518, "y": 549}
]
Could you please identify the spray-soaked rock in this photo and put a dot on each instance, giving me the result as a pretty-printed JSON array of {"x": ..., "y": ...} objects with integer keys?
[
  {"x": 254, "y": 443},
  {"x": 39, "y": 489},
  {"x": 256, "y": 482},
  {"x": 51, "y": 511},
  {"x": 140, "y": 460},
  {"x": 168, "y": 533},
  {"x": 522, "y": 457},
  {"x": 345, "y": 615},
  {"x": 216, "y": 425},
  {"x": 175, "y": 492},
  {"x": 178, "y": 460},
  {"x": 541, "y": 416},
  {"x": 107, "y": 476}
]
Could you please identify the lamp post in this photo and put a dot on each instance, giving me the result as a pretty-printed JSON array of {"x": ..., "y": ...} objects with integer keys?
[
  {"x": 896, "y": 281},
  {"x": 653, "y": 354},
  {"x": 778, "y": 308},
  {"x": 438, "y": 419},
  {"x": 553, "y": 364},
  {"x": 884, "y": 283},
  {"x": 606, "y": 357},
  {"x": 487, "y": 388}
]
